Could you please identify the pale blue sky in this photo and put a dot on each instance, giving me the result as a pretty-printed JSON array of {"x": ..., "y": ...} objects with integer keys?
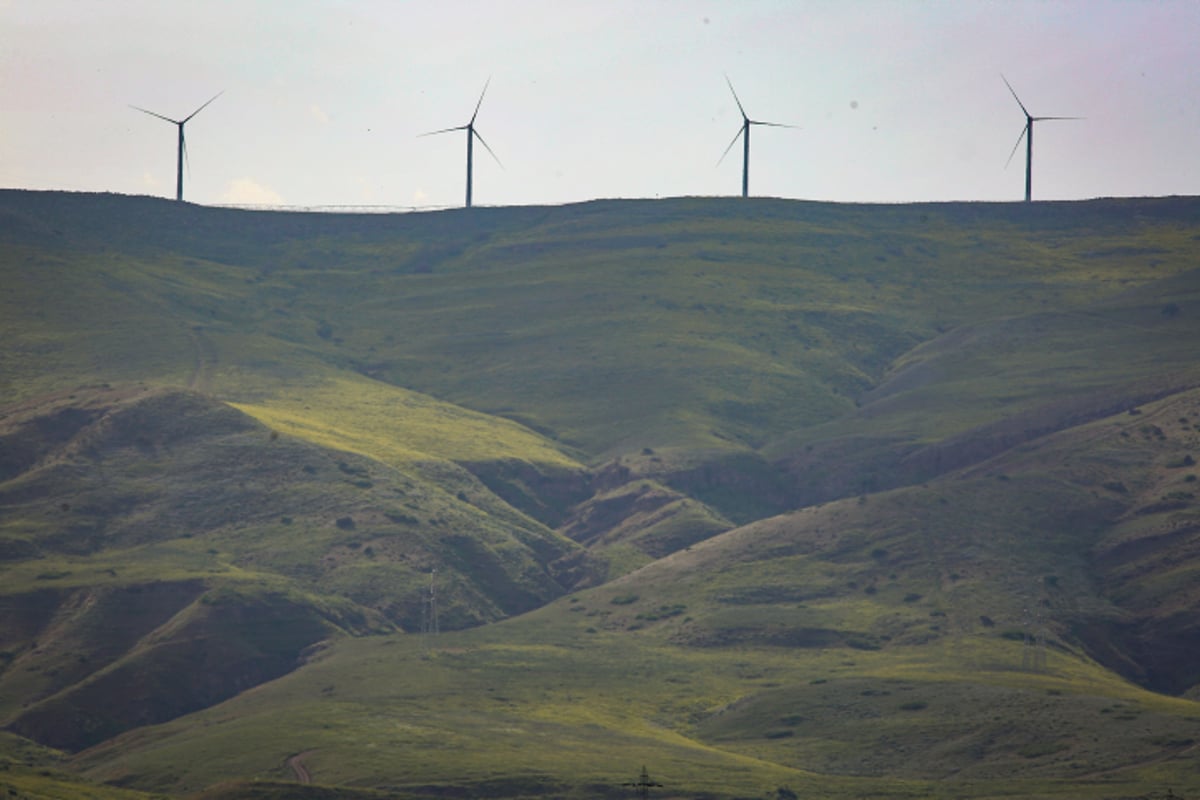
[{"x": 324, "y": 101}]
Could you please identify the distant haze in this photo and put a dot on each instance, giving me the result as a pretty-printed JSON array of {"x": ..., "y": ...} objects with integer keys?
[{"x": 325, "y": 102}]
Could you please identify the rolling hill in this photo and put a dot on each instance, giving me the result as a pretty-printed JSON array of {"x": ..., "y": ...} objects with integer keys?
[{"x": 776, "y": 498}]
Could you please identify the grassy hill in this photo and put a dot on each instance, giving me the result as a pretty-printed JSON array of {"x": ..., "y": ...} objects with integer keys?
[{"x": 771, "y": 497}]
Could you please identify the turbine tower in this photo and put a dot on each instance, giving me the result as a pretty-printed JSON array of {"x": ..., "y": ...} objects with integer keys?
[
  {"x": 182, "y": 154},
  {"x": 1027, "y": 134},
  {"x": 744, "y": 132},
  {"x": 472, "y": 135}
]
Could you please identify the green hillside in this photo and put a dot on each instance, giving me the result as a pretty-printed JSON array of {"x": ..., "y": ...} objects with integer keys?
[{"x": 773, "y": 498}]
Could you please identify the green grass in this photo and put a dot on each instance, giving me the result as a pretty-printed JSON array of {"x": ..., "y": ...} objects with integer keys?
[
  {"x": 543, "y": 701},
  {"x": 398, "y": 427},
  {"x": 569, "y": 697},
  {"x": 142, "y": 488},
  {"x": 945, "y": 389},
  {"x": 28, "y": 770},
  {"x": 691, "y": 324}
]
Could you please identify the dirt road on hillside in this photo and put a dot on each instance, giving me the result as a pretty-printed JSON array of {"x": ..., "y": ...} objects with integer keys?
[
  {"x": 296, "y": 763},
  {"x": 205, "y": 363}
]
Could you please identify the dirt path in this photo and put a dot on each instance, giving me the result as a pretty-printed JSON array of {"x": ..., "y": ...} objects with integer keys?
[
  {"x": 296, "y": 763},
  {"x": 205, "y": 363}
]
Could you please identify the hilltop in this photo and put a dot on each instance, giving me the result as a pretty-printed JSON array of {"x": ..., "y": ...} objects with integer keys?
[{"x": 769, "y": 495}]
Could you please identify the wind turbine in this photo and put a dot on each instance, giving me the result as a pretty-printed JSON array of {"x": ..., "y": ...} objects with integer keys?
[
  {"x": 182, "y": 145},
  {"x": 472, "y": 135},
  {"x": 1027, "y": 134},
  {"x": 745, "y": 134}
]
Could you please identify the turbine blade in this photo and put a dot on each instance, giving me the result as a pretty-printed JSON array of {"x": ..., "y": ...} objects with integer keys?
[
  {"x": 1014, "y": 94},
  {"x": 485, "y": 144},
  {"x": 153, "y": 114},
  {"x": 445, "y": 130},
  {"x": 735, "y": 98},
  {"x": 187, "y": 165},
  {"x": 773, "y": 124},
  {"x": 477, "y": 105},
  {"x": 1039, "y": 119},
  {"x": 201, "y": 108},
  {"x": 736, "y": 136},
  {"x": 1014, "y": 150}
]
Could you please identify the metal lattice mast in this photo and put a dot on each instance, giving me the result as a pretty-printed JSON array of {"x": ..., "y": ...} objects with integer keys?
[
  {"x": 1033, "y": 648},
  {"x": 429, "y": 621},
  {"x": 643, "y": 784}
]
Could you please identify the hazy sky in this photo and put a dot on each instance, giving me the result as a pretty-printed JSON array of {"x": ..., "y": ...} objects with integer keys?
[{"x": 324, "y": 101}]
